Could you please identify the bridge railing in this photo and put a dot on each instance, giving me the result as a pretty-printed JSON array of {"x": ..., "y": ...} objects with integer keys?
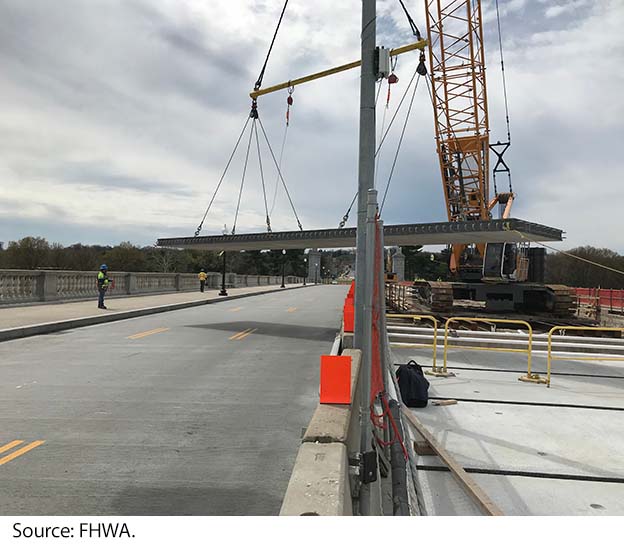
[{"x": 19, "y": 286}]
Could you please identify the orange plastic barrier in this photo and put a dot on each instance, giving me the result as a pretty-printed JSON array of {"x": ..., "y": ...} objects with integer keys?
[
  {"x": 348, "y": 313},
  {"x": 335, "y": 379},
  {"x": 349, "y": 317}
]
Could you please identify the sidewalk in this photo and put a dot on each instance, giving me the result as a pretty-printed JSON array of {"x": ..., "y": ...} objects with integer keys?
[{"x": 18, "y": 321}]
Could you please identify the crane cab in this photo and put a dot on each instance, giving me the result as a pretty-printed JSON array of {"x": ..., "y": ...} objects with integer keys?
[{"x": 506, "y": 261}]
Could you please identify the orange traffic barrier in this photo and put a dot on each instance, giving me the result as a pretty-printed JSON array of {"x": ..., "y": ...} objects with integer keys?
[
  {"x": 335, "y": 379},
  {"x": 349, "y": 317},
  {"x": 348, "y": 314}
]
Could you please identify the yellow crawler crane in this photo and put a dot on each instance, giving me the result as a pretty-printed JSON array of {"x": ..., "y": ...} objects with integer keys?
[{"x": 494, "y": 273}]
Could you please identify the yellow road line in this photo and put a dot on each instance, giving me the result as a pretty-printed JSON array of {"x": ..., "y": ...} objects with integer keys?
[
  {"x": 148, "y": 333},
  {"x": 10, "y": 445},
  {"x": 235, "y": 309},
  {"x": 236, "y": 336},
  {"x": 244, "y": 335},
  {"x": 21, "y": 451},
  {"x": 291, "y": 309}
]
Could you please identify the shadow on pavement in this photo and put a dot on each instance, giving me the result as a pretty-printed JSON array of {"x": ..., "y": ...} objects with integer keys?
[
  {"x": 195, "y": 501},
  {"x": 315, "y": 333}
]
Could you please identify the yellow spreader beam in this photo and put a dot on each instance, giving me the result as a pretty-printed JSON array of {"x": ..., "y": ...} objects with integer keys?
[{"x": 421, "y": 44}]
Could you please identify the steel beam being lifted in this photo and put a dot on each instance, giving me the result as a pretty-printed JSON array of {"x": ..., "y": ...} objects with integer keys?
[{"x": 510, "y": 230}]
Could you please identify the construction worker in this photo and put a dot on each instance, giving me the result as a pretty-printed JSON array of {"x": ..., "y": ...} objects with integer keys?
[
  {"x": 202, "y": 280},
  {"x": 103, "y": 283}
]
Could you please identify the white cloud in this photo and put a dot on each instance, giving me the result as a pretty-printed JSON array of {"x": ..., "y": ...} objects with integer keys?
[
  {"x": 566, "y": 7},
  {"x": 125, "y": 113}
]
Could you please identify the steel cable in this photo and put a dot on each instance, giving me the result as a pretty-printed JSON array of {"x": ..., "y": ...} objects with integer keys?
[{"x": 201, "y": 224}]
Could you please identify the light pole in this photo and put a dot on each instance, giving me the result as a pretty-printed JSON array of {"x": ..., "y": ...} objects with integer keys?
[
  {"x": 283, "y": 267},
  {"x": 223, "y": 290},
  {"x": 305, "y": 270},
  {"x": 316, "y": 273}
]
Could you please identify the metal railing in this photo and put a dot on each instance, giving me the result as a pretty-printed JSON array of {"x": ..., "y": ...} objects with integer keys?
[
  {"x": 528, "y": 350},
  {"x": 433, "y": 345},
  {"x": 550, "y": 357}
]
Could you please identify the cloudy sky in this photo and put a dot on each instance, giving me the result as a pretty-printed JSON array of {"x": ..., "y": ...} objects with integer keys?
[{"x": 117, "y": 117}]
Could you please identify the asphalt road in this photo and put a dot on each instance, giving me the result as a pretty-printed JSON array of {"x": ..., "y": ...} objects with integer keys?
[{"x": 189, "y": 412}]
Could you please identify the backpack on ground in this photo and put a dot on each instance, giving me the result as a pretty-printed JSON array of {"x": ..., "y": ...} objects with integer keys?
[{"x": 413, "y": 385}]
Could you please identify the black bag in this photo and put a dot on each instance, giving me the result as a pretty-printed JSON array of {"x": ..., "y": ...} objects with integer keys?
[{"x": 413, "y": 385}]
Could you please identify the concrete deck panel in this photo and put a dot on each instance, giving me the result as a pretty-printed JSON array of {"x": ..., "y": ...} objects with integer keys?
[
  {"x": 522, "y": 496},
  {"x": 509, "y": 230},
  {"x": 584, "y": 445}
]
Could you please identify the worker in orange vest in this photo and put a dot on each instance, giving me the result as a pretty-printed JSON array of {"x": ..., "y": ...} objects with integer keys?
[{"x": 202, "y": 280}]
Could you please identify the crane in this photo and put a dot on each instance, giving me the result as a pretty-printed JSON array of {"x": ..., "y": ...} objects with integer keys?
[
  {"x": 457, "y": 85},
  {"x": 459, "y": 95}
]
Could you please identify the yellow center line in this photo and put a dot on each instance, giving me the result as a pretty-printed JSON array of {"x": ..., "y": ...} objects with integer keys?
[
  {"x": 235, "y": 336},
  {"x": 10, "y": 445},
  {"x": 291, "y": 309},
  {"x": 245, "y": 334},
  {"x": 20, "y": 451},
  {"x": 148, "y": 333}
]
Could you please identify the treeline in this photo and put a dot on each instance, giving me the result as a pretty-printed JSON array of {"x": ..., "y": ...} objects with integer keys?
[
  {"x": 38, "y": 253},
  {"x": 562, "y": 269}
]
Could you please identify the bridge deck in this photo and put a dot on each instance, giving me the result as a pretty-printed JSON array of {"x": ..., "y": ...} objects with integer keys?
[{"x": 492, "y": 231}]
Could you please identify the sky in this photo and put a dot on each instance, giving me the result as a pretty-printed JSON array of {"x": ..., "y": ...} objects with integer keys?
[{"x": 117, "y": 117}]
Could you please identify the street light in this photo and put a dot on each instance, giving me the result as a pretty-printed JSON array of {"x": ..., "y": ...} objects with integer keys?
[
  {"x": 223, "y": 290},
  {"x": 283, "y": 267},
  {"x": 305, "y": 270},
  {"x": 316, "y": 273}
]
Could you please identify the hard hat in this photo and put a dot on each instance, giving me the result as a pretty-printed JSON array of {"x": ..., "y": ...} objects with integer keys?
[{"x": 103, "y": 266}]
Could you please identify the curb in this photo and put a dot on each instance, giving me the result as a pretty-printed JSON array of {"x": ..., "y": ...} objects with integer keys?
[{"x": 49, "y": 327}]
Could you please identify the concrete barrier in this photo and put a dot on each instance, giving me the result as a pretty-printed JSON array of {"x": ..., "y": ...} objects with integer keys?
[
  {"x": 19, "y": 286},
  {"x": 319, "y": 483}
]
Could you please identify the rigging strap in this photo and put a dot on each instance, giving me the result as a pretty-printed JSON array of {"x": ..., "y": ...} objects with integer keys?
[
  {"x": 396, "y": 155},
  {"x": 411, "y": 22},
  {"x": 501, "y": 147},
  {"x": 259, "y": 80},
  {"x": 266, "y": 208},
  {"x": 201, "y": 224},
  {"x": 266, "y": 138},
  {"x": 240, "y": 192}
]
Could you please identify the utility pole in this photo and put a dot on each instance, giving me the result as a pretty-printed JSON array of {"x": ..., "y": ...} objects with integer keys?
[
  {"x": 366, "y": 168},
  {"x": 364, "y": 244}
]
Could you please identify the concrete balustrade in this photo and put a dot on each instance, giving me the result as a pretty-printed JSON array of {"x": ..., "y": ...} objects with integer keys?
[{"x": 24, "y": 286}]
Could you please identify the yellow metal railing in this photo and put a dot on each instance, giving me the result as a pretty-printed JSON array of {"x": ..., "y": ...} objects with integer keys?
[
  {"x": 550, "y": 357},
  {"x": 528, "y": 350},
  {"x": 435, "y": 370}
]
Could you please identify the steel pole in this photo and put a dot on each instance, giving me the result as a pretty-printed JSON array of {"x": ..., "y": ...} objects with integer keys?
[
  {"x": 364, "y": 254},
  {"x": 366, "y": 167},
  {"x": 367, "y": 346},
  {"x": 223, "y": 290}
]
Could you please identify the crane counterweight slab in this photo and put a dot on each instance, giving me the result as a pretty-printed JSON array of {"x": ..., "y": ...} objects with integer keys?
[{"x": 511, "y": 230}]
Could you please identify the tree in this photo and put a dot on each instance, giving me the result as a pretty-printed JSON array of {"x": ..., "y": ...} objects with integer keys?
[
  {"x": 424, "y": 265},
  {"x": 125, "y": 257},
  {"x": 28, "y": 253},
  {"x": 564, "y": 269}
]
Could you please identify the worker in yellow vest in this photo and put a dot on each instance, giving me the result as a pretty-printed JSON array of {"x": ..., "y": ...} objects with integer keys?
[
  {"x": 103, "y": 283},
  {"x": 202, "y": 280}
]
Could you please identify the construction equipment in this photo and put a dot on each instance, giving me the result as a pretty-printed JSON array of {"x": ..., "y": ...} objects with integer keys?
[{"x": 506, "y": 276}]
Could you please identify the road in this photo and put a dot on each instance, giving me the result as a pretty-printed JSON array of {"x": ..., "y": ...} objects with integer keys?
[{"x": 192, "y": 412}]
